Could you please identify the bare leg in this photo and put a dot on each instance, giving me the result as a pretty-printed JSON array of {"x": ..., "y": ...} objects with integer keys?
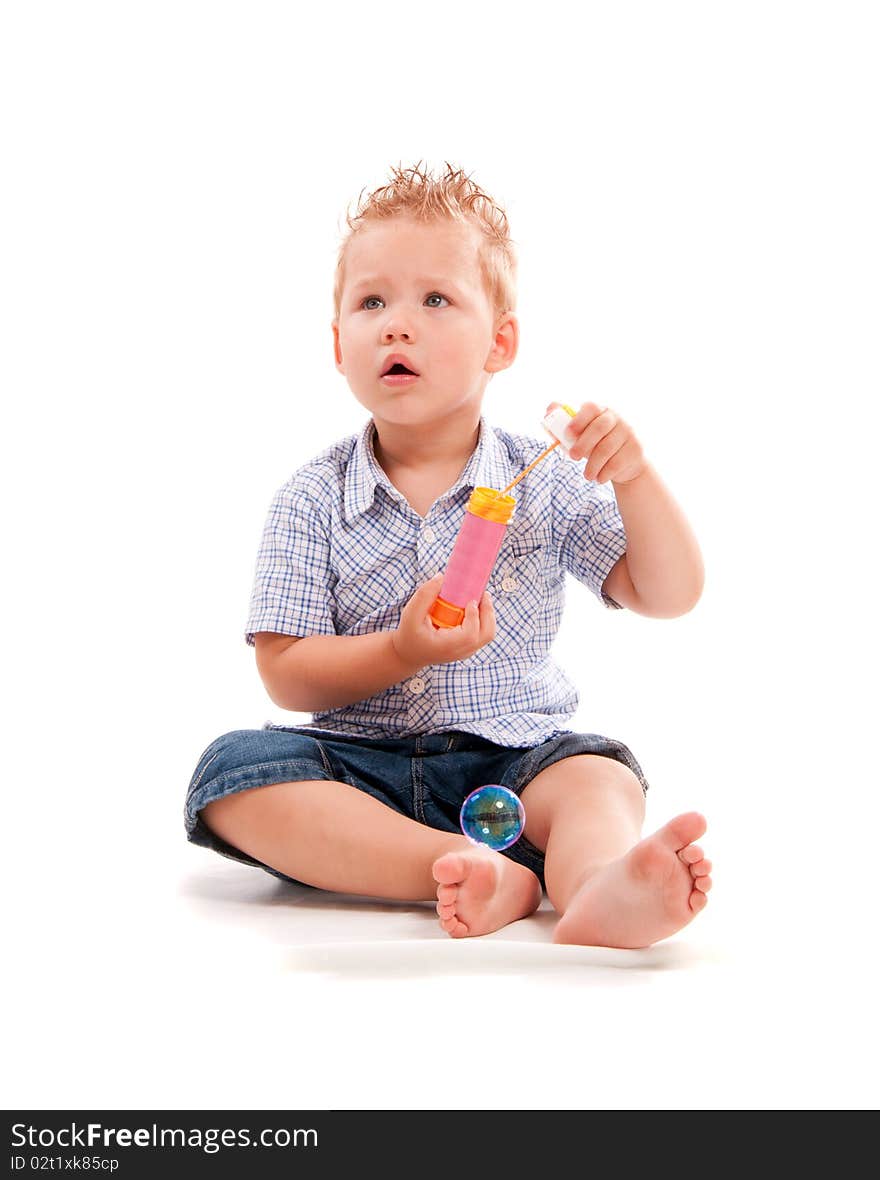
[
  {"x": 611, "y": 888},
  {"x": 330, "y": 835},
  {"x": 582, "y": 812}
]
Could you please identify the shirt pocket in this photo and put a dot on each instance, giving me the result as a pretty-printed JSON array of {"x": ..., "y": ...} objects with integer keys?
[{"x": 519, "y": 588}]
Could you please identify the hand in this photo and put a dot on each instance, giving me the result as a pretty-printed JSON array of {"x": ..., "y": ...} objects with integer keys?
[
  {"x": 418, "y": 642},
  {"x": 614, "y": 451}
]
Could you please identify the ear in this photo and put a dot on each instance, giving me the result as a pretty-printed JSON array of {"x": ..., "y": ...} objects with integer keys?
[
  {"x": 505, "y": 345},
  {"x": 337, "y": 351}
]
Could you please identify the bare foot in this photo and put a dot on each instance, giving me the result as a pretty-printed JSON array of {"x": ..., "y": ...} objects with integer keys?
[
  {"x": 650, "y": 893},
  {"x": 481, "y": 891}
]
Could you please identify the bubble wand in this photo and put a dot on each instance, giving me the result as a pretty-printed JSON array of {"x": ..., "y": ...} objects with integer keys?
[
  {"x": 556, "y": 423},
  {"x": 523, "y": 474}
]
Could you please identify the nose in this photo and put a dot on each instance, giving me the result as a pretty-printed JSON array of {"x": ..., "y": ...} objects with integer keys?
[
  {"x": 397, "y": 324},
  {"x": 392, "y": 332}
]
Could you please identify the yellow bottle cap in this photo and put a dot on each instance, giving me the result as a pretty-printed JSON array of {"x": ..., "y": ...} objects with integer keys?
[{"x": 491, "y": 505}]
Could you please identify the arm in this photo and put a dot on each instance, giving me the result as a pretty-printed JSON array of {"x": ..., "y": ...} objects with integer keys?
[
  {"x": 327, "y": 671},
  {"x": 321, "y": 672},
  {"x": 661, "y": 573}
]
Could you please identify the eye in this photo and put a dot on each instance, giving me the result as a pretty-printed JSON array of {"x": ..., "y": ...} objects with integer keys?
[
  {"x": 436, "y": 295},
  {"x": 370, "y": 299}
]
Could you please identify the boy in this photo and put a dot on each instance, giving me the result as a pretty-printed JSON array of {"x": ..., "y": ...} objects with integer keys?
[{"x": 409, "y": 719}]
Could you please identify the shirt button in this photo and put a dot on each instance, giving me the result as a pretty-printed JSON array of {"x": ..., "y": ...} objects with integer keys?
[
  {"x": 416, "y": 686},
  {"x": 510, "y": 584},
  {"x": 429, "y": 534}
]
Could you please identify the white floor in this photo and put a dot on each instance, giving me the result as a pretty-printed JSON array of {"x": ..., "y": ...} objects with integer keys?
[{"x": 228, "y": 989}]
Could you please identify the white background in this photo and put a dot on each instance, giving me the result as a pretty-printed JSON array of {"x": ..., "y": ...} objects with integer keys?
[{"x": 693, "y": 189}]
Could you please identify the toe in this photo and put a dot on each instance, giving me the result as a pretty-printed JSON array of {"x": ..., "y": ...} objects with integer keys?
[
  {"x": 697, "y": 900},
  {"x": 683, "y": 830},
  {"x": 691, "y": 854},
  {"x": 702, "y": 868},
  {"x": 446, "y": 894},
  {"x": 704, "y": 884},
  {"x": 445, "y": 911},
  {"x": 449, "y": 869}
]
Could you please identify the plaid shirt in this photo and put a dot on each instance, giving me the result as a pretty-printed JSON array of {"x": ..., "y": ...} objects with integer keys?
[{"x": 342, "y": 553}]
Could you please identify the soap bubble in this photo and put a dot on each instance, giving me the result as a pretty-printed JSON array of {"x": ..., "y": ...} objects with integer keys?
[{"x": 492, "y": 816}]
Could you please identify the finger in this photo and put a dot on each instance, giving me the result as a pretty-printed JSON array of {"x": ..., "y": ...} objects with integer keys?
[
  {"x": 415, "y": 612},
  {"x": 600, "y": 425},
  {"x": 470, "y": 624},
  {"x": 587, "y": 413},
  {"x": 625, "y": 464},
  {"x": 487, "y": 618},
  {"x": 605, "y": 450}
]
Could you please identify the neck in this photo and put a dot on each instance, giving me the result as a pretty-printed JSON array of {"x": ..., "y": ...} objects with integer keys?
[{"x": 440, "y": 447}]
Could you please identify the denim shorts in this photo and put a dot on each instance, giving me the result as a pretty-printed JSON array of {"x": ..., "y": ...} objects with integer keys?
[{"x": 426, "y": 777}]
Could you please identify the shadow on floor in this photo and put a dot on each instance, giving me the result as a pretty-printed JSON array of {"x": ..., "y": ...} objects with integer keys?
[{"x": 345, "y": 935}]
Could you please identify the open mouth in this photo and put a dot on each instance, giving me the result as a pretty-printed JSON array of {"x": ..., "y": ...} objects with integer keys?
[{"x": 396, "y": 366}]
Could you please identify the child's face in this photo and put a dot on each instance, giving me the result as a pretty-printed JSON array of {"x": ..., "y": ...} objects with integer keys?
[{"x": 415, "y": 290}]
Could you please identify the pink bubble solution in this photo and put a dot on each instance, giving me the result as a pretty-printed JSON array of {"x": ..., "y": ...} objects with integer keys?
[{"x": 473, "y": 556}]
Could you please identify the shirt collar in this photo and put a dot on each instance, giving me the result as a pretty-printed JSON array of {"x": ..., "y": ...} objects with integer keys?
[{"x": 488, "y": 467}]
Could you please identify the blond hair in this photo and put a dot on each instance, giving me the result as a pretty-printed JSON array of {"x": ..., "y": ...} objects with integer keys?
[{"x": 414, "y": 192}]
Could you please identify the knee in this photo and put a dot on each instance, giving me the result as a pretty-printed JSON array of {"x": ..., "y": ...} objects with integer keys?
[
  {"x": 614, "y": 779},
  {"x": 228, "y": 755},
  {"x": 630, "y": 791},
  {"x": 595, "y": 771},
  {"x": 581, "y": 777},
  {"x": 222, "y": 815},
  {"x": 233, "y": 816}
]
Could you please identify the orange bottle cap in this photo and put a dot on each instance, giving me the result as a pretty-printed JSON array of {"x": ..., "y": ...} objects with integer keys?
[{"x": 444, "y": 614}]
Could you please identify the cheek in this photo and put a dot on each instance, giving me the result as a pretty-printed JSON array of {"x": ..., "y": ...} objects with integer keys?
[
  {"x": 457, "y": 352},
  {"x": 353, "y": 345}
]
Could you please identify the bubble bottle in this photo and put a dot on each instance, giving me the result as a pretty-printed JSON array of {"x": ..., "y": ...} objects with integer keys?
[{"x": 486, "y": 518}]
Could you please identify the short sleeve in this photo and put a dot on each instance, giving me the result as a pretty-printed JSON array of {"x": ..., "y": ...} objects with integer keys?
[
  {"x": 589, "y": 528},
  {"x": 292, "y": 583}
]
